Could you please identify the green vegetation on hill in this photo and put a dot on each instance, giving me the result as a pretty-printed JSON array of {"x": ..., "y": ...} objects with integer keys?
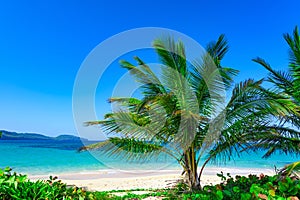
[{"x": 7, "y": 135}]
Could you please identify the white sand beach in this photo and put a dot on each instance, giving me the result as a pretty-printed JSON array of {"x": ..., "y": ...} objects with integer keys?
[{"x": 105, "y": 180}]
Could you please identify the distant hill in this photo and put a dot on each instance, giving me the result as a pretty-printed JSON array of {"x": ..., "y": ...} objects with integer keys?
[{"x": 7, "y": 135}]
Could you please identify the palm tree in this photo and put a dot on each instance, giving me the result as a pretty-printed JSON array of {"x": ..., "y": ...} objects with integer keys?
[
  {"x": 286, "y": 135},
  {"x": 183, "y": 112}
]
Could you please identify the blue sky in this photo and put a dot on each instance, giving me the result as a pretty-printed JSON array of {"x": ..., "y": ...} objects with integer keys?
[{"x": 43, "y": 44}]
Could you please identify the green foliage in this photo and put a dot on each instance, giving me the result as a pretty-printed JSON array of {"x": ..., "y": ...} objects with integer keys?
[
  {"x": 242, "y": 188},
  {"x": 251, "y": 187},
  {"x": 17, "y": 186},
  {"x": 285, "y": 137},
  {"x": 231, "y": 188}
]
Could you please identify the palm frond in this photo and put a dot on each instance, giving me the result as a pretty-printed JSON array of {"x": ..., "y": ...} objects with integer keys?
[
  {"x": 282, "y": 80},
  {"x": 277, "y": 138},
  {"x": 294, "y": 52},
  {"x": 208, "y": 84},
  {"x": 291, "y": 170},
  {"x": 130, "y": 149},
  {"x": 143, "y": 74},
  {"x": 294, "y": 60},
  {"x": 125, "y": 100},
  {"x": 171, "y": 54},
  {"x": 218, "y": 49}
]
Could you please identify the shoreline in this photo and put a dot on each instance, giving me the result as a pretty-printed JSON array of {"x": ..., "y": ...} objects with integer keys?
[{"x": 106, "y": 180}]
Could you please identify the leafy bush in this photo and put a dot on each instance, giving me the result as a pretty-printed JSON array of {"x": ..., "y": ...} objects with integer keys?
[
  {"x": 251, "y": 187},
  {"x": 17, "y": 186},
  {"x": 238, "y": 188}
]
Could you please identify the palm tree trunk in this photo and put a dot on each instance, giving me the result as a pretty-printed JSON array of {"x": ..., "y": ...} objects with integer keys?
[
  {"x": 201, "y": 171},
  {"x": 191, "y": 169}
]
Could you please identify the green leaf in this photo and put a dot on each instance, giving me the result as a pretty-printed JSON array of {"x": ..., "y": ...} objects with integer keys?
[
  {"x": 281, "y": 198},
  {"x": 227, "y": 193},
  {"x": 245, "y": 196},
  {"x": 219, "y": 194},
  {"x": 283, "y": 186},
  {"x": 236, "y": 189},
  {"x": 272, "y": 193},
  {"x": 256, "y": 189},
  {"x": 7, "y": 169}
]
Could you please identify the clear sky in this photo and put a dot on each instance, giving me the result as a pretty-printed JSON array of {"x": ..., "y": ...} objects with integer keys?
[{"x": 43, "y": 44}]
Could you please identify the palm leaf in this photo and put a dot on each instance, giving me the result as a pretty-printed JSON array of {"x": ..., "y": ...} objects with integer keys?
[
  {"x": 292, "y": 169},
  {"x": 282, "y": 80},
  {"x": 171, "y": 54},
  {"x": 218, "y": 49}
]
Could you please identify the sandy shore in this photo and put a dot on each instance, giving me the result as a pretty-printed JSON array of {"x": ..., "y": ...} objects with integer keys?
[{"x": 105, "y": 180}]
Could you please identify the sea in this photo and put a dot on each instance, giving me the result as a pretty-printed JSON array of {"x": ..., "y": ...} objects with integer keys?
[{"x": 39, "y": 157}]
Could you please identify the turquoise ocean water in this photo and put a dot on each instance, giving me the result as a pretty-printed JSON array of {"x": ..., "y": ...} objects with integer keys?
[{"x": 48, "y": 157}]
